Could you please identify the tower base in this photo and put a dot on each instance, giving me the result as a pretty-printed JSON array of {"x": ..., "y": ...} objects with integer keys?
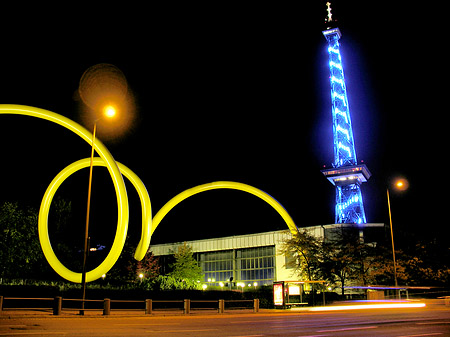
[
  {"x": 349, "y": 202},
  {"x": 349, "y": 205}
]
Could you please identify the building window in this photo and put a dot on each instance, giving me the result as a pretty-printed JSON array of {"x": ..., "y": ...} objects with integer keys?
[
  {"x": 248, "y": 265},
  {"x": 217, "y": 266},
  {"x": 256, "y": 264}
]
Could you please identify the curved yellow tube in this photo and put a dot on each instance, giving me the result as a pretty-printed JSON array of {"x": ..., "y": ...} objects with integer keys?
[
  {"x": 115, "y": 170},
  {"x": 229, "y": 185},
  {"x": 119, "y": 185},
  {"x": 108, "y": 263}
]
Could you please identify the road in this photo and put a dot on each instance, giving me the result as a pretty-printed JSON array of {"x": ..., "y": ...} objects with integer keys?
[{"x": 410, "y": 322}]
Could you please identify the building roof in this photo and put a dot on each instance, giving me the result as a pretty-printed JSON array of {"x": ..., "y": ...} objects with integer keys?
[
  {"x": 225, "y": 243},
  {"x": 244, "y": 241}
]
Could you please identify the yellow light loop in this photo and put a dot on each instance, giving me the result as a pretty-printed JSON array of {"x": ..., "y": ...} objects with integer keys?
[
  {"x": 116, "y": 248},
  {"x": 228, "y": 185},
  {"x": 119, "y": 185},
  {"x": 115, "y": 170}
]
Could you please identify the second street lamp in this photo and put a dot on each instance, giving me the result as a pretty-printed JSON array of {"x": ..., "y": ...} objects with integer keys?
[
  {"x": 109, "y": 111},
  {"x": 401, "y": 185},
  {"x": 392, "y": 239}
]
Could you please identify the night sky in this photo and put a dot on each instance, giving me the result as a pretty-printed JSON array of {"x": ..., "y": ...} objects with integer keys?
[{"x": 236, "y": 93}]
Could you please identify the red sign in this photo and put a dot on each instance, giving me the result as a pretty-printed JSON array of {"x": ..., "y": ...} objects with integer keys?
[{"x": 278, "y": 296}]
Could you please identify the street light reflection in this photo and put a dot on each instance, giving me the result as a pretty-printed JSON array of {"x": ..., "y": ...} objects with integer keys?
[{"x": 371, "y": 305}]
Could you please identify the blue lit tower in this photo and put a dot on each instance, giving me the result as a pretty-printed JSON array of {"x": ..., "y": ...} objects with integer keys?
[{"x": 346, "y": 175}]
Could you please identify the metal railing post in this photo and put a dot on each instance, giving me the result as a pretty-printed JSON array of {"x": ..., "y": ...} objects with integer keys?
[
  {"x": 148, "y": 306},
  {"x": 57, "y": 305},
  {"x": 187, "y": 307},
  {"x": 256, "y": 305},
  {"x": 106, "y": 307},
  {"x": 221, "y": 306}
]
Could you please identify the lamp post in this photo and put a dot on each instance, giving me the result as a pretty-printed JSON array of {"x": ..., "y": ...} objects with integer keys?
[
  {"x": 108, "y": 111},
  {"x": 392, "y": 239},
  {"x": 401, "y": 185}
]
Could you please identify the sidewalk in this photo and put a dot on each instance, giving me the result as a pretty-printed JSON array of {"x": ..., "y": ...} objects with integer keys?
[
  {"x": 44, "y": 313},
  {"x": 48, "y": 313}
]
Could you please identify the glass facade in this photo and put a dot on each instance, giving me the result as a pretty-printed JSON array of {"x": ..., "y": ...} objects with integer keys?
[
  {"x": 217, "y": 266},
  {"x": 247, "y": 265},
  {"x": 256, "y": 264}
]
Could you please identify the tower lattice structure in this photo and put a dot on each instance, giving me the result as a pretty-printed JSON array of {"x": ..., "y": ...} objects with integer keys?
[{"x": 346, "y": 175}]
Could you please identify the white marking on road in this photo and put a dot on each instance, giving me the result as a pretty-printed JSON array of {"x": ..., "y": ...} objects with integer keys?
[
  {"x": 247, "y": 336},
  {"x": 146, "y": 324},
  {"x": 181, "y": 330},
  {"x": 424, "y": 334},
  {"x": 347, "y": 329},
  {"x": 258, "y": 321}
]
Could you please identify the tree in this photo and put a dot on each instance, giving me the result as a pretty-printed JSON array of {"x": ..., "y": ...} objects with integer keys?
[
  {"x": 427, "y": 263},
  {"x": 148, "y": 267},
  {"x": 306, "y": 250},
  {"x": 341, "y": 262},
  {"x": 346, "y": 257},
  {"x": 64, "y": 234},
  {"x": 339, "y": 258},
  {"x": 342, "y": 257},
  {"x": 381, "y": 270},
  {"x": 20, "y": 252},
  {"x": 185, "y": 268},
  {"x": 127, "y": 269}
]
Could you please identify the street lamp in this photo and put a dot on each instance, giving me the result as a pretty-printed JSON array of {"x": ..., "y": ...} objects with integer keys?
[
  {"x": 401, "y": 185},
  {"x": 109, "y": 111}
]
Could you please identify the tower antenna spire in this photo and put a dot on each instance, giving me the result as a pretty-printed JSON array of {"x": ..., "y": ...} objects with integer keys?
[{"x": 329, "y": 17}]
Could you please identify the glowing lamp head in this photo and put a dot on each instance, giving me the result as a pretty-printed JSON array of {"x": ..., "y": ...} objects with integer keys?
[
  {"x": 109, "y": 111},
  {"x": 401, "y": 184}
]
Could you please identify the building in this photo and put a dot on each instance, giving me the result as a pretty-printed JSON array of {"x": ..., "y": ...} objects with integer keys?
[{"x": 253, "y": 259}]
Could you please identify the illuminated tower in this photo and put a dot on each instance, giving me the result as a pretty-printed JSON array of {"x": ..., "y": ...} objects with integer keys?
[{"x": 346, "y": 174}]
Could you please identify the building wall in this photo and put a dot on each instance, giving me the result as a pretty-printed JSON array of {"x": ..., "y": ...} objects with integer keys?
[{"x": 247, "y": 258}]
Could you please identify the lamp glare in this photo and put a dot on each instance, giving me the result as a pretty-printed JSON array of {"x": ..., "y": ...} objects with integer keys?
[{"x": 110, "y": 111}]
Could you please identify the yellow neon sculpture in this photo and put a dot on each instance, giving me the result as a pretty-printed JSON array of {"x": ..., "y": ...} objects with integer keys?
[
  {"x": 115, "y": 170},
  {"x": 228, "y": 185},
  {"x": 119, "y": 185},
  {"x": 114, "y": 254}
]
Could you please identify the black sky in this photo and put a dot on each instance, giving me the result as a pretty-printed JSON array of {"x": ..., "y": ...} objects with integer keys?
[{"x": 235, "y": 93}]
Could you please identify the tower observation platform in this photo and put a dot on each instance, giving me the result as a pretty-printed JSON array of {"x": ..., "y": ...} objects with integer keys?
[
  {"x": 346, "y": 175},
  {"x": 356, "y": 174}
]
